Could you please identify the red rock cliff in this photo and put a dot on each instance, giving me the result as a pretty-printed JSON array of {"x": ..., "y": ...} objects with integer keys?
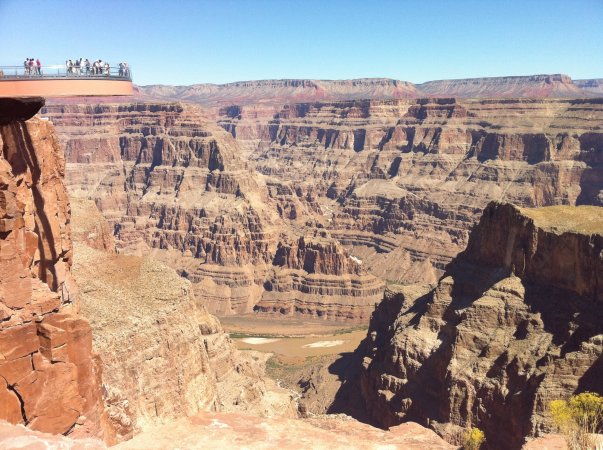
[{"x": 49, "y": 377}]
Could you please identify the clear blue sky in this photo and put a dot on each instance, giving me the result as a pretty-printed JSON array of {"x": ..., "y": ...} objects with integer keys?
[{"x": 186, "y": 42}]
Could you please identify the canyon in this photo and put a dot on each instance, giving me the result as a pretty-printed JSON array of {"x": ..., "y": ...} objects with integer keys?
[
  {"x": 158, "y": 357},
  {"x": 174, "y": 185},
  {"x": 405, "y": 180},
  {"x": 376, "y": 188},
  {"x": 129, "y": 228}
]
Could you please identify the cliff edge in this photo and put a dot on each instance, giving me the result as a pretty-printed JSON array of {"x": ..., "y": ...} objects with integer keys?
[
  {"x": 49, "y": 377},
  {"x": 515, "y": 322}
]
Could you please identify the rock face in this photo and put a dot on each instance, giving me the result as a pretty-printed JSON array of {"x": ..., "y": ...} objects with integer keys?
[
  {"x": 164, "y": 356},
  {"x": 401, "y": 182},
  {"x": 170, "y": 181},
  {"x": 49, "y": 377},
  {"x": 515, "y": 322}
]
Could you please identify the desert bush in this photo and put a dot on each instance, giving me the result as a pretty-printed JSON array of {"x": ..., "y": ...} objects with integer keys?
[
  {"x": 578, "y": 419},
  {"x": 474, "y": 438}
]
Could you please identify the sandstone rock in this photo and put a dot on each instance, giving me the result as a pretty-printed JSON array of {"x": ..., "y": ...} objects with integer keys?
[
  {"x": 233, "y": 431},
  {"x": 13, "y": 437},
  {"x": 50, "y": 380},
  {"x": 329, "y": 432},
  {"x": 514, "y": 323},
  {"x": 164, "y": 357}
]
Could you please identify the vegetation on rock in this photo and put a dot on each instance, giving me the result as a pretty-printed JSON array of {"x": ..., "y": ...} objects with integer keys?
[{"x": 579, "y": 418}]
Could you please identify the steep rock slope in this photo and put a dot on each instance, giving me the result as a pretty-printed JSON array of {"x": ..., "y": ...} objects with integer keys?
[
  {"x": 164, "y": 357},
  {"x": 169, "y": 180},
  {"x": 515, "y": 322},
  {"x": 400, "y": 182},
  {"x": 49, "y": 377}
]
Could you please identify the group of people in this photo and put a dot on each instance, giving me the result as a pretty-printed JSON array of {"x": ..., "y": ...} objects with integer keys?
[
  {"x": 32, "y": 67},
  {"x": 98, "y": 67},
  {"x": 78, "y": 67}
]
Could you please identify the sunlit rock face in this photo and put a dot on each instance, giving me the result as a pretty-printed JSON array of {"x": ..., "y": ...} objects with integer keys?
[
  {"x": 49, "y": 377},
  {"x": 173, "y": 184},
  {"x": 401, "y": 182}
]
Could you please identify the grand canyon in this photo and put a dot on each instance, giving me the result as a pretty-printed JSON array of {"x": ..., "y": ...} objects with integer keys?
[{"x": 281, "y": 263}]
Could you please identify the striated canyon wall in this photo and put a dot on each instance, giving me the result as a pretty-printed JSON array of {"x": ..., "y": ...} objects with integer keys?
[
  {"x": 515, "y": 322},
  {"x": 172, "y": 183},
  {"x": 45, "y": 345},
  {"x": 164, "y": 356},
  {"x": 400, "y": 182}
]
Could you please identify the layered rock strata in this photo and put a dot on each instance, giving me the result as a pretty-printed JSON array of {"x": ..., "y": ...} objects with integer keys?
[
  {"x": 515, "y": 322},
  {"x": 401, "y": 182},
  {"x": 49, "y": 377},
  {"x": 164, "y": 356},
  {"x": 172, "y": 183}
]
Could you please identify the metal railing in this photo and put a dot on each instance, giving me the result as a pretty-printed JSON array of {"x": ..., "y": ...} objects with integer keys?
[{"x": 62, "y": 71}]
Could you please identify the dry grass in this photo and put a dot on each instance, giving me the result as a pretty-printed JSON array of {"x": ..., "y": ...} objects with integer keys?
[{"x": 580, "y": 219}]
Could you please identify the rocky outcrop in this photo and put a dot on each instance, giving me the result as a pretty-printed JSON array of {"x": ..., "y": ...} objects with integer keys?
[
  {"x": 317, "y": 267},
  {"x": 404, "y": 180},
  {"x": 164, "y": 356},
  {"x": 172, "y": 183},
  {"x": 49, "y": 377},
  {"x": 514, "y": 323}
]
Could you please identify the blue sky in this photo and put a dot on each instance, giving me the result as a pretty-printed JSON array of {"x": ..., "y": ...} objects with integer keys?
[{"x": 186, "y": 42}]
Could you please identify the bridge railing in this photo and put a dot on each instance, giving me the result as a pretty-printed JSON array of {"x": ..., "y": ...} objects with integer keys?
[{"x": 62, "y": 71}]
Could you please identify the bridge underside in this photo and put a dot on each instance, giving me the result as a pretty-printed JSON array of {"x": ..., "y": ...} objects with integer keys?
[{"x": 64, "y": 87}]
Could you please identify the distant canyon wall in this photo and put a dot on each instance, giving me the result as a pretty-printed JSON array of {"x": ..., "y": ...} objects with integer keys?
[
  {"x": 279, "y": 92},
  {"x": 172, "y": 183},
  {"x": 405, "y": 180}
]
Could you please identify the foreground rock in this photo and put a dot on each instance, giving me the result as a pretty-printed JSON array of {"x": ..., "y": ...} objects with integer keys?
[
  {"x": 515, "y": 322},
  {"x": 235, "y": 431},
  {"x": 328, "y": 432},
  {"x": 49, "y": 377},
  {"x": 164, "y": 356}
]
